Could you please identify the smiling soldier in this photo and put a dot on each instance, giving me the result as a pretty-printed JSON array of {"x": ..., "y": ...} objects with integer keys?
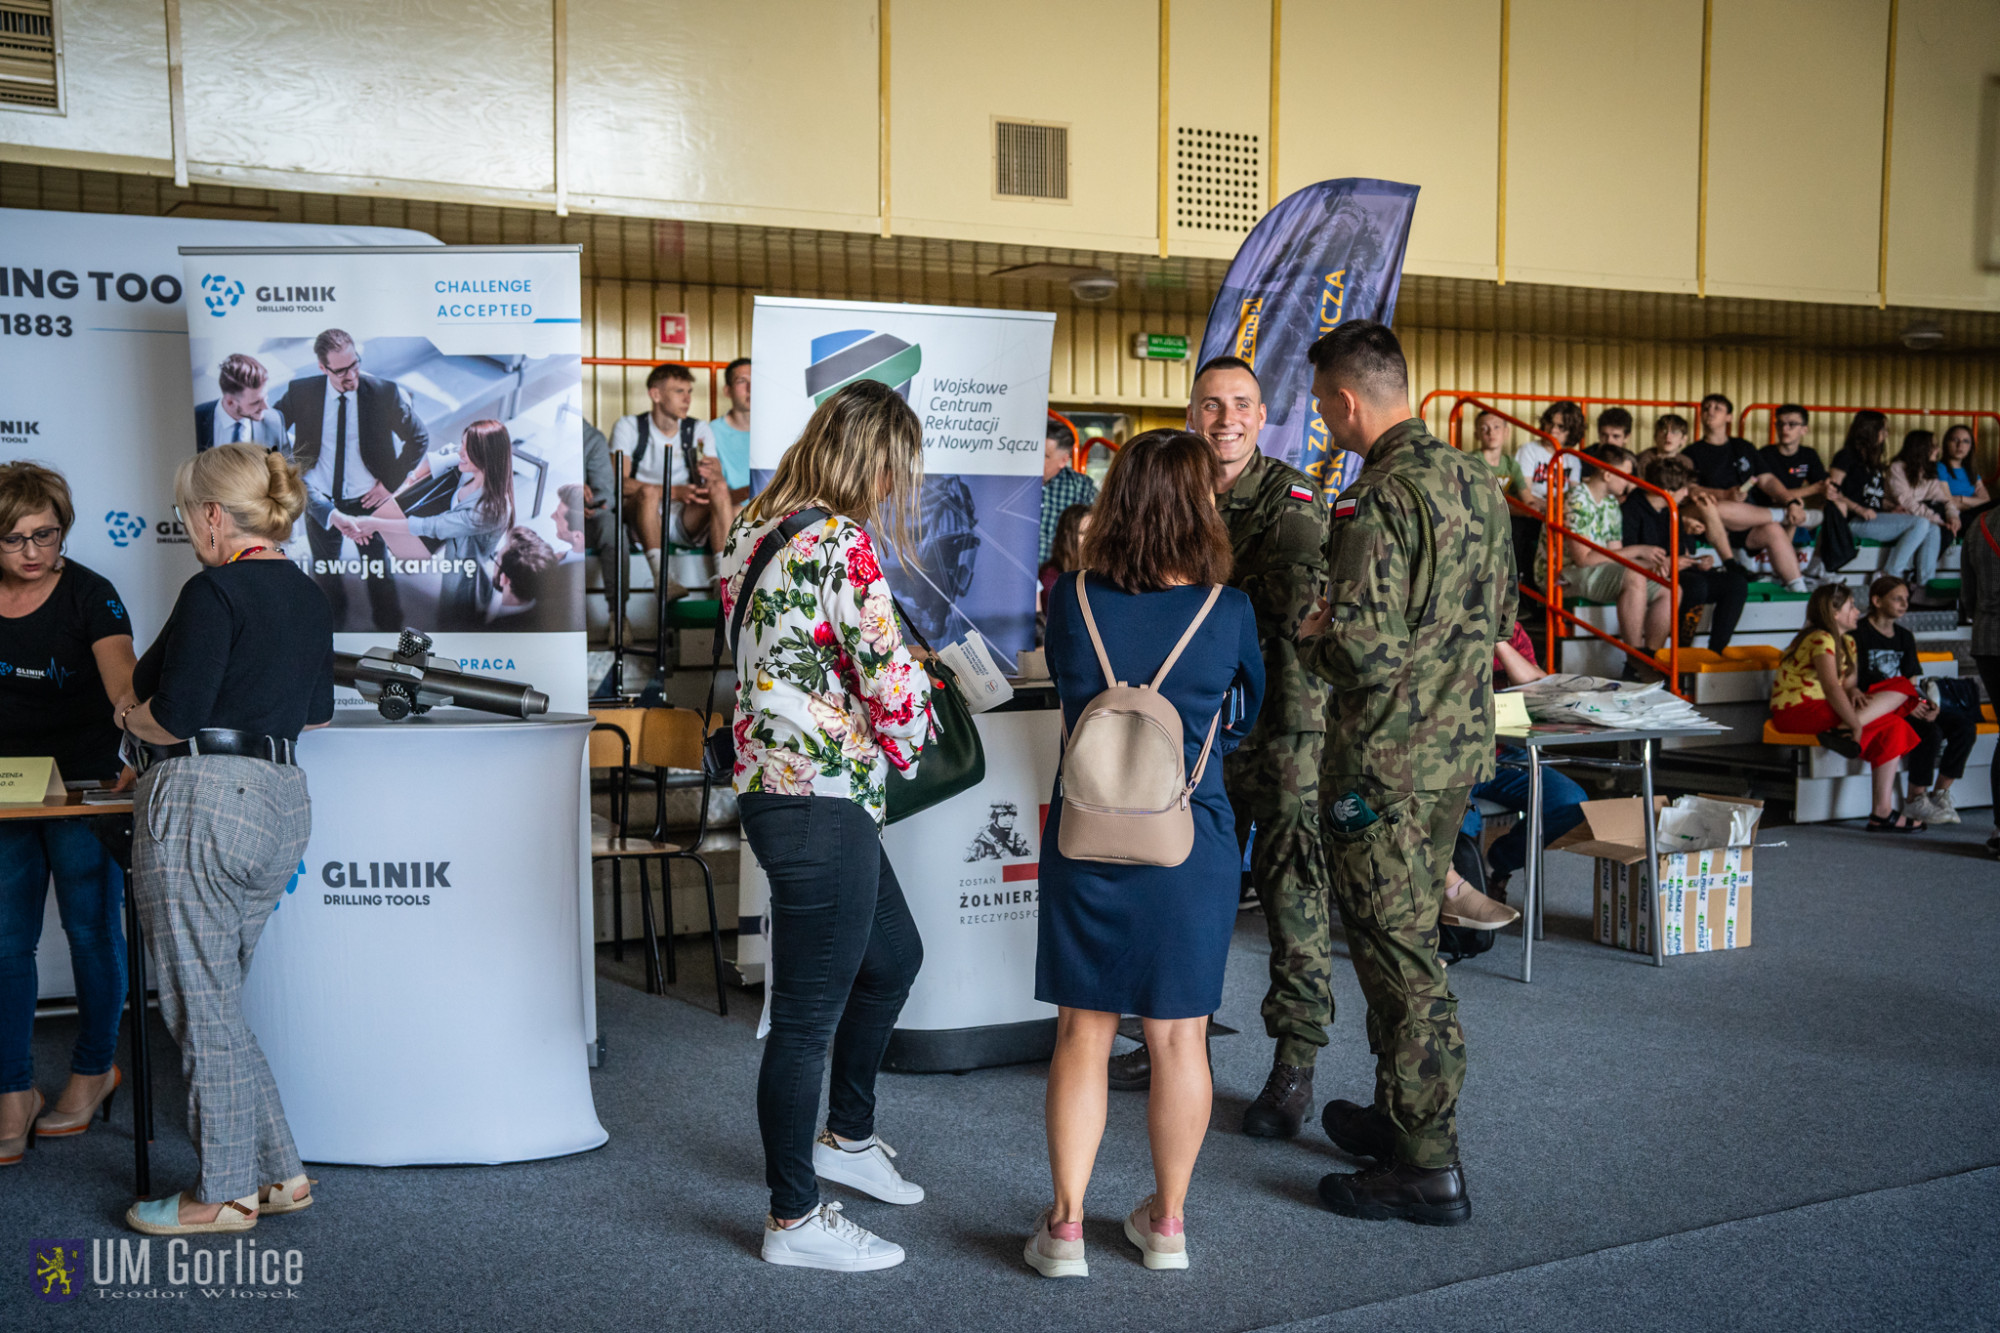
[{"x": 1277, "y": 535}]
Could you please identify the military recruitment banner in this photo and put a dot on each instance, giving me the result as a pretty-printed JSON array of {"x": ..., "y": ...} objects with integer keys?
[
  {"x": 1329, "y": 253},
  {"x": 432, "y": 400},
  {"x": 979, "y": 382}
]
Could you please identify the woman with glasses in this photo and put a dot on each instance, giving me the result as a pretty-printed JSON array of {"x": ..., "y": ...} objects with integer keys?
[{"x": 65, "y": 654}]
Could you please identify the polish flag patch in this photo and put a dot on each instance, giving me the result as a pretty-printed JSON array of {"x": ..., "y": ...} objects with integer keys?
[
  {"x": 1302, "y": 493},
  {"x": 1344, "y": 508}
]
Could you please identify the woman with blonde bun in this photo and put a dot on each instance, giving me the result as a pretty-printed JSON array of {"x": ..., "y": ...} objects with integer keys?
[{"x": 221, "y": 816}]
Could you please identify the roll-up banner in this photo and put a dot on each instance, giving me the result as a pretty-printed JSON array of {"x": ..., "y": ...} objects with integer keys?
[
  {"x": 93, "y": 376},
  {"x": 451, "y": 378},
  {"x": 979, "y": 382},
  {"x": 1331, "y": 252}
]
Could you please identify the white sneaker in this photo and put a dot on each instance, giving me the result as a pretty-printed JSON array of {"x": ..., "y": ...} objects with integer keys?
[
  {"x": 1942, "y": 810},
  {"x": 869, "y": 1171},
  {"x": 828, "y": 1240}
]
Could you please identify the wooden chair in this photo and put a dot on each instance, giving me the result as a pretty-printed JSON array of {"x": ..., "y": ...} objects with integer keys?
[
  {"x": 606, "y": 752},
  {"x": 671, "y": 738},
  {"x": 611, "y": 840}
]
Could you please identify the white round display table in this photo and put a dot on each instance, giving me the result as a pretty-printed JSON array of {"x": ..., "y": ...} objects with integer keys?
[{"x": 420, "y": 991}]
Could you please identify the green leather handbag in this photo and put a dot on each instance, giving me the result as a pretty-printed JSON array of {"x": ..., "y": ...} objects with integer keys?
[{"x": 954, "y": 759}]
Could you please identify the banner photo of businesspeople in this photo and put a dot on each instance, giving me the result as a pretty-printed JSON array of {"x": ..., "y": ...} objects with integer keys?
[
  {"x": 979, "y": 382},
  {"x": 1331, "y": 252},
  {"x": 432, "y": 400}
]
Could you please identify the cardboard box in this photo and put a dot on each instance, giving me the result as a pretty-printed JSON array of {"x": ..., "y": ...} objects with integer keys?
[{"x": 1702, "y": 898}]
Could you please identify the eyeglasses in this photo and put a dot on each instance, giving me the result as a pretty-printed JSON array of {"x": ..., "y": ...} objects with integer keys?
[
  {"x": 355, "y": 364},
  {"x": 42, "y": 537}
]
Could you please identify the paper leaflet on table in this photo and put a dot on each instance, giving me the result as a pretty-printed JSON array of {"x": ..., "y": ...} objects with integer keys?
[
  {"x": 1611, "y": 703},
  {"x": 979, "y": 679}
]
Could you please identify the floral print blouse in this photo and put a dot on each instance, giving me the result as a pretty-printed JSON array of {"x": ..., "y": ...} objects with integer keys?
[{"x": 827, "y": 698}]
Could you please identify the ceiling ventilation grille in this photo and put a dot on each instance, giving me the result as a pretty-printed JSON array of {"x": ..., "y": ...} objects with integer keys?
[
  {"x": 1030, "y": 160},
  {"x": 30, "y": 72},
  {"x": 1218, "y": 180}
]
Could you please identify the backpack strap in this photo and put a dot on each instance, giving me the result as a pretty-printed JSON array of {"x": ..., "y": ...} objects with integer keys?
[
  {"x": 689, "y": 455},
  {"x": 1090, "y": 623},
  {"x": 645, "y": 420},
  {"x": 1215, "y": 591},
  {"x": 1987, "y": 532},
  {"x": 760, "y": 560}
]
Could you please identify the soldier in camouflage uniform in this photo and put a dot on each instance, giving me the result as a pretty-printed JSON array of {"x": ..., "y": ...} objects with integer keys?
[
  {"x": 1277, "y": 534},
  {"x": 1421, "y": 586}
]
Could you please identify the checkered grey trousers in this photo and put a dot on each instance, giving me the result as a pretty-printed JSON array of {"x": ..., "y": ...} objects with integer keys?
[{"x": 216, "y": 839}]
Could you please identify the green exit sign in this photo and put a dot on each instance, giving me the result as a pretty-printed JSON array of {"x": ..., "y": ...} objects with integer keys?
[{"x": 1160, "y": 346}]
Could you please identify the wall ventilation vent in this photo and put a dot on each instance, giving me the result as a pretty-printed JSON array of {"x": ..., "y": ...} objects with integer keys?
[
  {"x": 30, "y": 68},
  {"x": 1218, "y": 180},
  {"x": 1030, "y": 160}
]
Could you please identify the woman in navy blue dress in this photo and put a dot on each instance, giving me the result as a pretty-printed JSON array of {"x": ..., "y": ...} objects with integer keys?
[{"x": 1150, "y": 940}]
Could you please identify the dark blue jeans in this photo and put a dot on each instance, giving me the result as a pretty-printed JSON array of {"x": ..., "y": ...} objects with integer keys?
[
  {"x": 90, "y": 897},
  {"x": 844, "y": 951},
  {"x": 1509, "y": 787}
]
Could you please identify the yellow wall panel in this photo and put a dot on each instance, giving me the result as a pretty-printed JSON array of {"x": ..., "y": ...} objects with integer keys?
[
  {"x": 1406, "y": 92},
  {"x": 343, "y": 91},
  {"x": 1604, "y": 142},
  {"x": 957, "y": 64},
  {"x": 115, "y": 70},
  {"x": 760, "y": 106},
  {"x": 1795, "y": 148},
  {"x": 1946, "y": 50}
]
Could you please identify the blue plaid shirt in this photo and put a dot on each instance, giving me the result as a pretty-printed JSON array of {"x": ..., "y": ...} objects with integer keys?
[{"x": 1067, "y": 487}]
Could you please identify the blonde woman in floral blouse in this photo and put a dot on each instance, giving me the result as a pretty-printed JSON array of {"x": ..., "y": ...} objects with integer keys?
[{"x": 828, "y": 701}]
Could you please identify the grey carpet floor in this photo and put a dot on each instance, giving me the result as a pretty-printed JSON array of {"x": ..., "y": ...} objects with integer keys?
[{"x": 1799, "y": 1134}]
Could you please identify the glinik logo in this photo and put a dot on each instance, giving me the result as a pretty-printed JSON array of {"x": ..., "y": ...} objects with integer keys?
[
  {"x": 220, "y": 293},
  {"x": 385, "y": 874},
  {"x": 295, "y": 295},
  {"x": 124, "y": 528},
  {"x": 20, "y": 428},
  {"x": 839, "y": 359}
]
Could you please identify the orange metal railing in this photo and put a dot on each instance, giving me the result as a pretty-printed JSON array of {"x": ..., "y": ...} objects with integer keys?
[
  {"x": 1454, "y": 426},
  {"x": 1554, "y": 530}
]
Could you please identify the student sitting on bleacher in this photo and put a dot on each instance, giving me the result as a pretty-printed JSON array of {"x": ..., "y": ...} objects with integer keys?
[
  {"x": 1858, "y": 482},
  {"x": 1816, "y": 695},
  {"x": 1706, "y": 580},
  {"x": 1886, "y": 657},
  {"x": 1591, "y": 511},
  {"x": 1955, "y": 470},
  {"x": 1914, "y": 485}
]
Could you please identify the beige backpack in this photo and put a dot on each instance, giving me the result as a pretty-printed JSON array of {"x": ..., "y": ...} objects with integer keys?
[{"x": 1125, "y": 787}]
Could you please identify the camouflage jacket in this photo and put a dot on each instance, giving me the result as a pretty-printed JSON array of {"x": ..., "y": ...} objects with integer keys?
[
  {"x": 1422, "y": 586},
  {"x": 1277, "y": 533}
]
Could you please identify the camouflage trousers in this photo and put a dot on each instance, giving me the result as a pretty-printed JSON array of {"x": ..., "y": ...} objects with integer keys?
[
  {"x": 1388, "y": 882},
  {"x": 1276, "y": 787}
]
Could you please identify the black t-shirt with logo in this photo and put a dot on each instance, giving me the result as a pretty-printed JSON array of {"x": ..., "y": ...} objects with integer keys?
[
  {"x": 1879, "y": 657},
  {"x": 52, "y": 701},
  {"x": 1800, "y": 469},
  {"x": 1860, "y": 483},
  {"x": 1722, "y": 467}
]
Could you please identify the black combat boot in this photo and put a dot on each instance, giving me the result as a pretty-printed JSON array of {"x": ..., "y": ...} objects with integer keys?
[
  {"x": 1283, "y": 1105},
  {"x": 1434, "y": 1197},
  {"x": 1359, "y": 1131},
  {"x": 1132, "y": 1071}
]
